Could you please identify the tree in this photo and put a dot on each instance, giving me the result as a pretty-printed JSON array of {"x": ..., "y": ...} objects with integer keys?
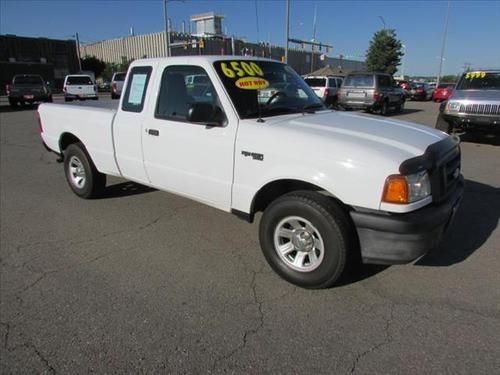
[
  {"x": 449, "y": 78},
  {"x": 385, "y": 52},
  {"x": 93, "y": 64}
]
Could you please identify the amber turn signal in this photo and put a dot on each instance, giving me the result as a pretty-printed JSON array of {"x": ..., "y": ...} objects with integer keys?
[{"x": 395, "y": 189}]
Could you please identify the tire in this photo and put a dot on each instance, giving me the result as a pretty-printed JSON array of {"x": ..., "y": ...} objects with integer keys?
[
  {"x": 384, "y": 109},
  {"x": 68, "y": 99},
  {"x": 315, "y": 223},
  {"x": 49, "y": 100},
  {"x": 113, "y": 96},
  {"x": 400, "y": 107},
  {"x": 443, "y": 125},
  {"x": 82, "y": 176},
  {"x": 12, "y": 103}
]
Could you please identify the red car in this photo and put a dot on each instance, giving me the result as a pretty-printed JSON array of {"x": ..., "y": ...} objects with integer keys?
[{"x": 443, "y": 92}]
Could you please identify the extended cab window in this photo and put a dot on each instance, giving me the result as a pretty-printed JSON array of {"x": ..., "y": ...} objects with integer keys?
[
  {"x": 135, "y": 92},
  {"x": 184, "y": 88}
]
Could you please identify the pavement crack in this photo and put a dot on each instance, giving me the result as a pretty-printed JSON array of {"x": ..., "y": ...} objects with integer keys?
[
  {"x": 7, "y": 332},
  {"x": 387, "y": 340},
  {"x": 42, "y": 358},
  {"x": 250, "y": 331}
]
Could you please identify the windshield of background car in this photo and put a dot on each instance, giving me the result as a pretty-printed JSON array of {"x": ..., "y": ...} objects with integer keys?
[
  {"x": 28, "y": 80},
  {"x": 479, "y": 81},
  {"x": 79, "y": 80},
  {"x": 265, "y": 88},
  {"x": 316, "y": 82},
  {"x": 120, "y": 76},
  {"x": 361, "y": 80}
]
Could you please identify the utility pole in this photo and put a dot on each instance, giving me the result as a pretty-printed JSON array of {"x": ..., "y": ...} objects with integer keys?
[
  {"x": 313, "y": 39},
  {"x": 287, "y": 29},
  {"x": 444, "y": 43},
  {"x": 167, "y": 31},
  {"x": 78, "y": 51}
]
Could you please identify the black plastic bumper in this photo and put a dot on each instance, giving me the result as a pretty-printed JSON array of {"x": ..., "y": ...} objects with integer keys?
[
  {"x": 402, "y": 238},
  {"x": 468, "y": 120}
]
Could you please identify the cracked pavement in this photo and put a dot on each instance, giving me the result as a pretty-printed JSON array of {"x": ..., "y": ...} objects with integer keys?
[{"x": 146, "y": 282}]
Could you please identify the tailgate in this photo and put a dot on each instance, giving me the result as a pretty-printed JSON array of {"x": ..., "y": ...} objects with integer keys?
[{"x": 80, "y": 90}]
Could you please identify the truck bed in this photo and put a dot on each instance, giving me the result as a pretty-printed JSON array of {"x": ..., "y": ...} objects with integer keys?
[{"x": 93, "y": 126}]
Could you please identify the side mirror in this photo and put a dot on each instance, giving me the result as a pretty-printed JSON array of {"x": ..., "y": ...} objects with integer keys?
[{"x": 206, "y": 114}]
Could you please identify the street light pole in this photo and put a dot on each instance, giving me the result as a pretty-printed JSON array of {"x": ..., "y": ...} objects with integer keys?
[
  {"x": 382, "y": 19},
  {"x": 403, "y": 63},
  {"x": 287, "y": 29},
  {"x": 444, "y": 43},
  {"x": 167, "y": 31}
]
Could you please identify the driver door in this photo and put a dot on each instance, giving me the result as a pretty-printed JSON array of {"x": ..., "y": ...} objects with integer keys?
[{"x": 190, "y": 159}]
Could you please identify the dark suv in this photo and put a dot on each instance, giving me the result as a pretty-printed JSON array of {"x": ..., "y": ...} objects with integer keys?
[
  {"x": 371, "y": 92},
  {"x": 28, "y": 89}
]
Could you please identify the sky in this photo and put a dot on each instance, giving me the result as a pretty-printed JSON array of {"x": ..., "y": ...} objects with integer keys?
[{"x": 473, "y": 30}]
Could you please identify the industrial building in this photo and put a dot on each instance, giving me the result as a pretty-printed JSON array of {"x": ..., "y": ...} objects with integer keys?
[{"x": 52, "y": 59}]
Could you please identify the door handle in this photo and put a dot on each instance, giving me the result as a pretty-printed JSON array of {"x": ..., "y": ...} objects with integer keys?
[{"x": 154, "y": 132}]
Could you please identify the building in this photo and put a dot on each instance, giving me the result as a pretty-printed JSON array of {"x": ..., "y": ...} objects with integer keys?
[
  {"x": 207, "y": 24},
  {"x": 52, "y": 59}
]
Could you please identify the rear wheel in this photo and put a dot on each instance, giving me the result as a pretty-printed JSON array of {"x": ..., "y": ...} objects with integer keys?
[
  {"x": 306, "y": 237},
  {"x": 82, "y": 176},
  {"x": 12, "y": 103}
]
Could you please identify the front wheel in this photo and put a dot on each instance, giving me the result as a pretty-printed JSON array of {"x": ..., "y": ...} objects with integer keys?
[
  {"x": 384, "y": 109},
  {"x": 82, "y": 176},
  {"x": 306, "y": 237}
]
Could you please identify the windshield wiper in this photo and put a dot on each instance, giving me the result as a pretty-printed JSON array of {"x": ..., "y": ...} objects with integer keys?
[{"x": 310, "y": 108}]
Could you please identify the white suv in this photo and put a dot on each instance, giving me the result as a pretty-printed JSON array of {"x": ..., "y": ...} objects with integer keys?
[
  {"x": 81, "y": 87},
  {"x": 326, "y": 87}
]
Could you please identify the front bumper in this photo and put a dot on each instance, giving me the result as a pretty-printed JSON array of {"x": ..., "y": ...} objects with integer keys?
[
  {"x": 401, "y": 238},
  {"x": 472, "y": 120}
]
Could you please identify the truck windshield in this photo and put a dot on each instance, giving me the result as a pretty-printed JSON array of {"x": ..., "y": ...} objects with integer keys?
[
  {"x": 265, "y": 88},
  {"x": 479, "y": 81}
]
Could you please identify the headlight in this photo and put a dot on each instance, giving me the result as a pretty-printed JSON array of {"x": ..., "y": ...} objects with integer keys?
[
  {"x": 406, "y": 189},
  {"x": 452, "y": 107}
]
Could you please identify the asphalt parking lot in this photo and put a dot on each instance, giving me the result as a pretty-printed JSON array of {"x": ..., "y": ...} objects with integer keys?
[{"x": 143, "y": 281}]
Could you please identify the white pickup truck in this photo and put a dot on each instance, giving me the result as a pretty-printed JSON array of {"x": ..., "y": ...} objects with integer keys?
[{"x": 332, "y": 186}]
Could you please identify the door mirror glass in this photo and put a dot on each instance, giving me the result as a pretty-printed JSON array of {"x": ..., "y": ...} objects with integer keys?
[{"x": 205, "y": 113}]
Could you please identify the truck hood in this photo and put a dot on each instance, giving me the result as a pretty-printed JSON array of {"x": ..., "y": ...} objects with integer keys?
[
  {"x": 407, "y": 138},
  {"x": 486, "y": 95}
]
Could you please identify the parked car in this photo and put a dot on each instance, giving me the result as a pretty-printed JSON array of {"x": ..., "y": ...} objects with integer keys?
[
  {"x": 405, "y": 86},
  {"x": 474, "y": 103},
  {"x": 326, "y": 87},
  {"x": 28, "y": 89},
  {"x": 442, "y": 92},
  {"x": 117, "y": 84},
  {"x": 421, "y": 91},
  {"x": 371, "y": 92},
  {"x": 79, "y": 87},
  {"x": 105, "y": 86},
  {"x": 332, "y": 186}
]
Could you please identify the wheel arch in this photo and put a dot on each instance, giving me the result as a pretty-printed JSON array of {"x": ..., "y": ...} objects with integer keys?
[
  {"x": 67, "y": 139},
  {"x": 274, "y": 189}
]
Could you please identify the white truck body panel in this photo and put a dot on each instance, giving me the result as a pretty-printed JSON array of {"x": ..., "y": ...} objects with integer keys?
[
  {"x": 93, "y": 126},
  {"x": 343, "y": 153}
]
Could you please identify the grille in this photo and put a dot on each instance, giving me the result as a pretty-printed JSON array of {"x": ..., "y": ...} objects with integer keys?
[
  {"x": 445, "y": 177},
  {"x": 480, "y": 109}
]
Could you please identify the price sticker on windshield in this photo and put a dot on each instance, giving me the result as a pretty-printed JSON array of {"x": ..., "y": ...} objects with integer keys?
[
  {"x": 473, "y": 75},
  {"x": 248, "y": 74}
]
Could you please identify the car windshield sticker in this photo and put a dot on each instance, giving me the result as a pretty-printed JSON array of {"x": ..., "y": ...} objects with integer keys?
[
  {"x": 472, "y": 75},
  {"x": 248, "y": 74},
  {"x": 137, "y": 88}
]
